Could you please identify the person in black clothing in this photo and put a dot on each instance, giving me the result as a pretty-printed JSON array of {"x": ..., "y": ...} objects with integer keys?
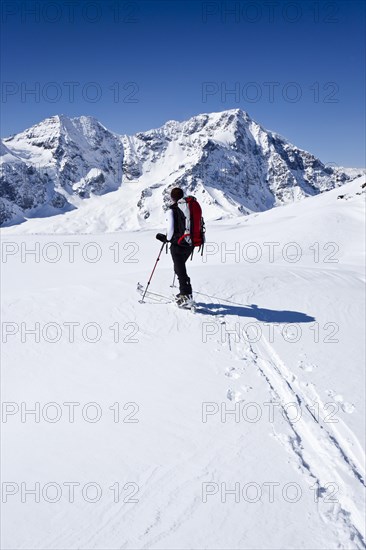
[{"x": 181, "y": 247}]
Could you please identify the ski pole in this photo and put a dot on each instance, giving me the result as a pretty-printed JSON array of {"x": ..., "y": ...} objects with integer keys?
[
  {"x": 172, "y": 285},
  {"x": 152, "y": 273}
]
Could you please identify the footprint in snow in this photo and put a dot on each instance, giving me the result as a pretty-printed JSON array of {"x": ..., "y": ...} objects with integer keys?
[
  {"x": 307, "y": 367},
  {"x": 348, "y": 407},
  {"x": 231, "y": 372},
  {"x": 338, "y": 398},
  {"x": 233, "y": 395}
]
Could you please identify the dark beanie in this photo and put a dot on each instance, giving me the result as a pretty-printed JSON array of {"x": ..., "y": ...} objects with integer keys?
[{"x": 177, "y": 194}]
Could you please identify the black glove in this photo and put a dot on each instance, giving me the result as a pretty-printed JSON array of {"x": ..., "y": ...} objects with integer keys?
[{"x": 161, "y": 237}]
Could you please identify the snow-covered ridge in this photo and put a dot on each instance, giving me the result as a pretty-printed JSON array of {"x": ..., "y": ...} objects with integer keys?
[{"x": 231, "y": 163}]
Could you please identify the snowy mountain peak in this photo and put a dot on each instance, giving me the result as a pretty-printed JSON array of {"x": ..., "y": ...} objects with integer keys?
[
  {"x": 50, "y": 131},
  {"x": 77, "y": 156},
  {"x": 205, "y": 121},
  {"x": 230, "y": 162}
]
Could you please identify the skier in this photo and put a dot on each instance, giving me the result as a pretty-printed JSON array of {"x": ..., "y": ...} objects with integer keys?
[{"x": 176, "y": 230}]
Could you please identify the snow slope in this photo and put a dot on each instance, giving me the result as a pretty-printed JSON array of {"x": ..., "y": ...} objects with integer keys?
[{"x": 294, "y": 362}]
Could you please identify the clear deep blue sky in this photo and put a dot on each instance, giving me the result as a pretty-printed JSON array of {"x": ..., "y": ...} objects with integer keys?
[{"x": 160, "y": 55}]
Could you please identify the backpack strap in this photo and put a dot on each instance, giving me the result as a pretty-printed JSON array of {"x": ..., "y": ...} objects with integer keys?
[
  {"x": 178, "y": 217},
  {"x": 181, "y": 239}
]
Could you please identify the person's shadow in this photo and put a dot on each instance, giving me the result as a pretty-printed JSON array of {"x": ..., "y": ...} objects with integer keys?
[{"x": 253, "y": 311}]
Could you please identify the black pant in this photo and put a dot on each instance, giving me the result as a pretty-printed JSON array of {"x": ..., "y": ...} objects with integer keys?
[{"x": 180, "y": 255}]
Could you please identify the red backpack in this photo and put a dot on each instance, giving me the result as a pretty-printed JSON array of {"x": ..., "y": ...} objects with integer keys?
[{"x": 195, "y": 229}]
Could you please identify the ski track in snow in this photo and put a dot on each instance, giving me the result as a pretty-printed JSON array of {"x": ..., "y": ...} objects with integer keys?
[{"x": 311, "y": 434}]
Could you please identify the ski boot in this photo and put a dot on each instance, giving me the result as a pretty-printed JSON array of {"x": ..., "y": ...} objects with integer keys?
[{"x": 183, "y": 300}]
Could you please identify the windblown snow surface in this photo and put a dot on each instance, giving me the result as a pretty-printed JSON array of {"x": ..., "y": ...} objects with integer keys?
[{"x": 240, "y": 426}]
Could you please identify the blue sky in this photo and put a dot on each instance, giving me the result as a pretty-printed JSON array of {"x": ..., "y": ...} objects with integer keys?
[{"x": 298, "y": 67}]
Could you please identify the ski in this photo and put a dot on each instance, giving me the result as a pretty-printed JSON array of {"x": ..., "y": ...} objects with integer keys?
[
  {"x": 193, "y": 306},
  {"x": 153, "y": 295}
]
